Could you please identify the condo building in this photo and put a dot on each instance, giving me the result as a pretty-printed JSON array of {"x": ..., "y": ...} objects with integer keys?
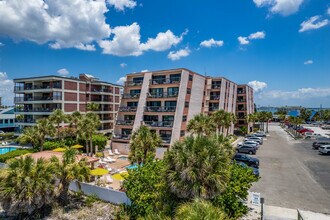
[
  {"x": 38, "y": 97},
  {"x": 166, "y": 100},
  {"x": 245, "y": 106}
]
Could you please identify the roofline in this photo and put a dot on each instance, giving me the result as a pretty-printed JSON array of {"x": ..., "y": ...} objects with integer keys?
[{"x": 167, "y": 70}]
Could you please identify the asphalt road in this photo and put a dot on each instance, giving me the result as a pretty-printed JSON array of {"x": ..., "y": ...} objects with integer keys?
[{"x": 293, "y": 175}]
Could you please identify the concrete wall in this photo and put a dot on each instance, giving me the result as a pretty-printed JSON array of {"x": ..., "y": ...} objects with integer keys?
[
  {"x": 123, "y": 148},
  {"x": 197, "y": 95},
  {"x": 105, "y": 194}
]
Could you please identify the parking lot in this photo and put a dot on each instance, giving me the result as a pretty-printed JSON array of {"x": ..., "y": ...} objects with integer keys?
[{"x": 293, "y": 175}]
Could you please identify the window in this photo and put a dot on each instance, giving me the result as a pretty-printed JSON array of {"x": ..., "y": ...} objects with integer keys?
[
  {"x": 170, "y": 103},
  {"x": 188, "y": 91},
  {"x": 168, "y": 118},
  {"x": 186, "y": 104},
  {"x": 132, "y": 104},
  {"x": 184, "y": 118},
  {"x": 182, "y": 133},
  {"x": 190, "y": 77},
  {"x": 11, "y": 121},
  {"x": 135, "y": 91},
  {"x": 156, "y": 91},
  {"x": 173, "y": 90},
  {"x": 6, "y": 121}
]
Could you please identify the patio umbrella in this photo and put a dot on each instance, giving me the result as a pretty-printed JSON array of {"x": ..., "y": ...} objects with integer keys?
[
  {"x": 60, "y": 149},
  {"x": 99, "y": 172},
  {"x": 77, "y": 146},
  {"x": 119, "y": 176}
]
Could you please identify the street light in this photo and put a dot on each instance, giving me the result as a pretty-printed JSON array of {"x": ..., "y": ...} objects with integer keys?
[{"x": 262, "y": 201}]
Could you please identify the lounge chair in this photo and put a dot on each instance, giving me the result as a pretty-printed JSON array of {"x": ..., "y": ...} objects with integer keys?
[
  {"x": 110, "y": 153},
  {"x": 111, "y": 160},
  {"x": 108, "y": 179},
  {"x": 107, "y": 160},
  {"x": 117, "y": 152}
]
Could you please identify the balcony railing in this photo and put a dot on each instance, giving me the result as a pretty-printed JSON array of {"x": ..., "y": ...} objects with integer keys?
[
  {"x": 215, "y": 97},
  {"x": 214, "y": 108},
  {"x": 37, "y": 98},
  {"x": 166, "y": 139},
  {"x": 241, "y": 109},
  {"x": 241, "y": 92},
  {"x": 36, "y": 110},
  {"x": 241, "y": 100},
  {"x": 134, "y": 83},
  {"x": 241, "y": 117},
  {"x": 124, "y": 122},
  {"x": 121, "y": 136},
  {"x": 127, "y": 109},
  {"x": 166, "y": 124},
  {"x": 173, "y": 80},
  {"x": 26, "y": 121},
  {"x": 160, "y": 109},
  {"x": 131, "y": 96},
  {"x": 100, "y": 90},
  {"x": 216, "y": 86},
  {"x": 163, "y": 95},
  {"x": 19, "y": 88}
]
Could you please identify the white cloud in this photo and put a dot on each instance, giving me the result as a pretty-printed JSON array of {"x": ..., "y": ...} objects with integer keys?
[
  {"x": 328, "y": 11},
  {"x": 283, "y": 7},
  {"x": 62, "y": 24},
  {"x": 2, "y": 44},
  {"x": 211, "y": 43},
  {"x": 313, "y": 23},
  {"x": 123, "y": 65},
  {"x": 6, "y": 89},
  {"x": 302, "y": 93},
  {"x": 63, "y": 72},
  {"x": 257, "y": 35},
  {"x": 120, "y": 5},
  {"x": 127, "y": 41},
  {"x": 243, "y": 40},
  {"x": 144, "y": 71},
  {"x": 257, "y": 85},
  {"x": 307, "y": 62},
  {"x": 176, "y": 55},
  {"x": 121, "y": 80}
]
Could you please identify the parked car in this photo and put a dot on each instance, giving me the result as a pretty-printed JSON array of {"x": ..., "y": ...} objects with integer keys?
[
  {"x": 246, "y": 149},
  {"x": 250, "y": 135},
  {"x": 252, "y": 143},
  {"x": 325, "y": 149},
  {"x": 260, "y": 134},
  {"x": 326, "y": 127},
  {"x": 255, "y": 145},
  {"x": 250, "y": 161},
  {"x": 256, "y": 139},
  {"x": 255, "y": 170},
  {"x": 321, "y": 142},
  {"x": 301, "y": 131},
  {"x": 309, "y": 135}
]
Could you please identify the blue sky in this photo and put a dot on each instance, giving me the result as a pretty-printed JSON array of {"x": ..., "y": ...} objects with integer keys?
[{"x": 283, "y": 49}]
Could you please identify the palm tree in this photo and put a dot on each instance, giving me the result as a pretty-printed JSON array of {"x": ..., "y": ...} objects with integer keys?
[
  {"x": 44, "y": 128},
  {"x": 252, "y": 118},
  {"x": 230, "y": 119},
  {"x": 30, "y": 136},
  {"x": 269, "y": 116},
  {"x": 68, "y": 170},
  {"x": 199, "y": 209},
  {"x": 220, "y": 118},
  {"x": 57, "y": 117},
  {"x": 143, "y": 145},
  {"x": 93, "y": 106},
  {"x": 198, "y": 167},
  {"x": 201, "y": 125},
  {"x": 74, "y": 119},
  {"x": 26, "y": 185},
  {"x": 87, "y": 127}
]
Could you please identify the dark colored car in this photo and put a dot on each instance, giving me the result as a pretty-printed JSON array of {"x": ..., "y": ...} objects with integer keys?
[
  {"x": 320, "y": 143},
  {"x": 250, "y": 161},
  {"x": 255, "y": 170}
]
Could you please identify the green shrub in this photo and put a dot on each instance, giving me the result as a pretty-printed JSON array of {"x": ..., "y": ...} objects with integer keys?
[
  {"x": 100, "y": 140},
  {"x": 13, "y": 154},
  {"x": 51, "y": 145},
  {"x": 7, "y": 136}
]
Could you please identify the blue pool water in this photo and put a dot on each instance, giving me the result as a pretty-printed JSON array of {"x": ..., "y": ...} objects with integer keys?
[
  {"x": 4, "y": 150},
  {"x": 131, "y": 167}
]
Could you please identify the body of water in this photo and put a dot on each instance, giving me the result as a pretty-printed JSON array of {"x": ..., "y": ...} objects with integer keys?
[{"x": 4, "y": 150}]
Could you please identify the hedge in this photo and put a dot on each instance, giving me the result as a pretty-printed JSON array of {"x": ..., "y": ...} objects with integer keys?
[{"x": 13, "y": 154}]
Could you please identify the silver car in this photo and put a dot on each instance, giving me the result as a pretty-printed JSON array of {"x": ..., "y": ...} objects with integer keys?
[{"x": 325, "y": 149}]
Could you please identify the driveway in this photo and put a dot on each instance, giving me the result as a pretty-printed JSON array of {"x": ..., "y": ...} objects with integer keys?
[{"x": 292, "y": 174}]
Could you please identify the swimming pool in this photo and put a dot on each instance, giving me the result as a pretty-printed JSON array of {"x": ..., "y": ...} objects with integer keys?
[
  {"x": 132, "y": 167},
  {"x": 4, "y": 150}
]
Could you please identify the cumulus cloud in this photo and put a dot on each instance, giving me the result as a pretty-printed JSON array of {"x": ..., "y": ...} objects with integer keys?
[
  {"x": 257, "y": 85},
  {"x": 144, "y": 71},
  {"x": 243, "y": 40},
  {"x": 328, "y": 11},
  {"x": 211, "y": 43},
  {"x": 308, "y": 62},
  {"x": 177, "y": 55},
  {"x": 302, "y": 93},
  {"x": 6, "y": 89},
  {"x": 313, "y": 23},
  {"x": 257, "y": 35},
  {"x": 1, "y": 44},
  {"x": 61, "y": 24},
  {"x": 123, "y": 65},
  {"x": 63, "y": 72},
  {"x": 121, "y": 80},
  {"x": 127, "y": 41},
  {"x": 283, "y": 7},
  {"x": 120, "y": 5}
]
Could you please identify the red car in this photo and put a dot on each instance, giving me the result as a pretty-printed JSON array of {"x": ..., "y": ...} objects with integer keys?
[{"x": 305, "y": 130}]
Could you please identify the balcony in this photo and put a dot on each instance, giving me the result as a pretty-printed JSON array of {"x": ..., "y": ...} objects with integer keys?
[
  {"x": 37, "y": 98},
  {"x": 163, "y": 95},
  {"x": 127, "y": 109},
  {"x": 131, "y": 96},
  {"x": 26, "y": 121},
  {"x": 100, "y": 90},
  {"x": 134, "y": 83},
  {"x": 213, "y": 108},
  {"x": 163, "y": 124},
  {"x": 216, "y": 86},
  {"x": 36, "y": 110},
  {"x": 241, "y": 92},
  {"x": 121, "y": 137},
  {"x": 215, "y": 97},
  {"x": 166, "y": 139},
  {"x": 36, "y": 87},
  {"x": 125, "y": 122},
  {"x": 173, "y": 80},
  {"x": 160, "y": 109},
  {"x": 241, "y": 100},
  {"x": 241, "y": 109}
]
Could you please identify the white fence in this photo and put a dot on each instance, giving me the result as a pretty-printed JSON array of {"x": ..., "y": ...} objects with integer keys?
[{"x": 109, "y": 195}]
